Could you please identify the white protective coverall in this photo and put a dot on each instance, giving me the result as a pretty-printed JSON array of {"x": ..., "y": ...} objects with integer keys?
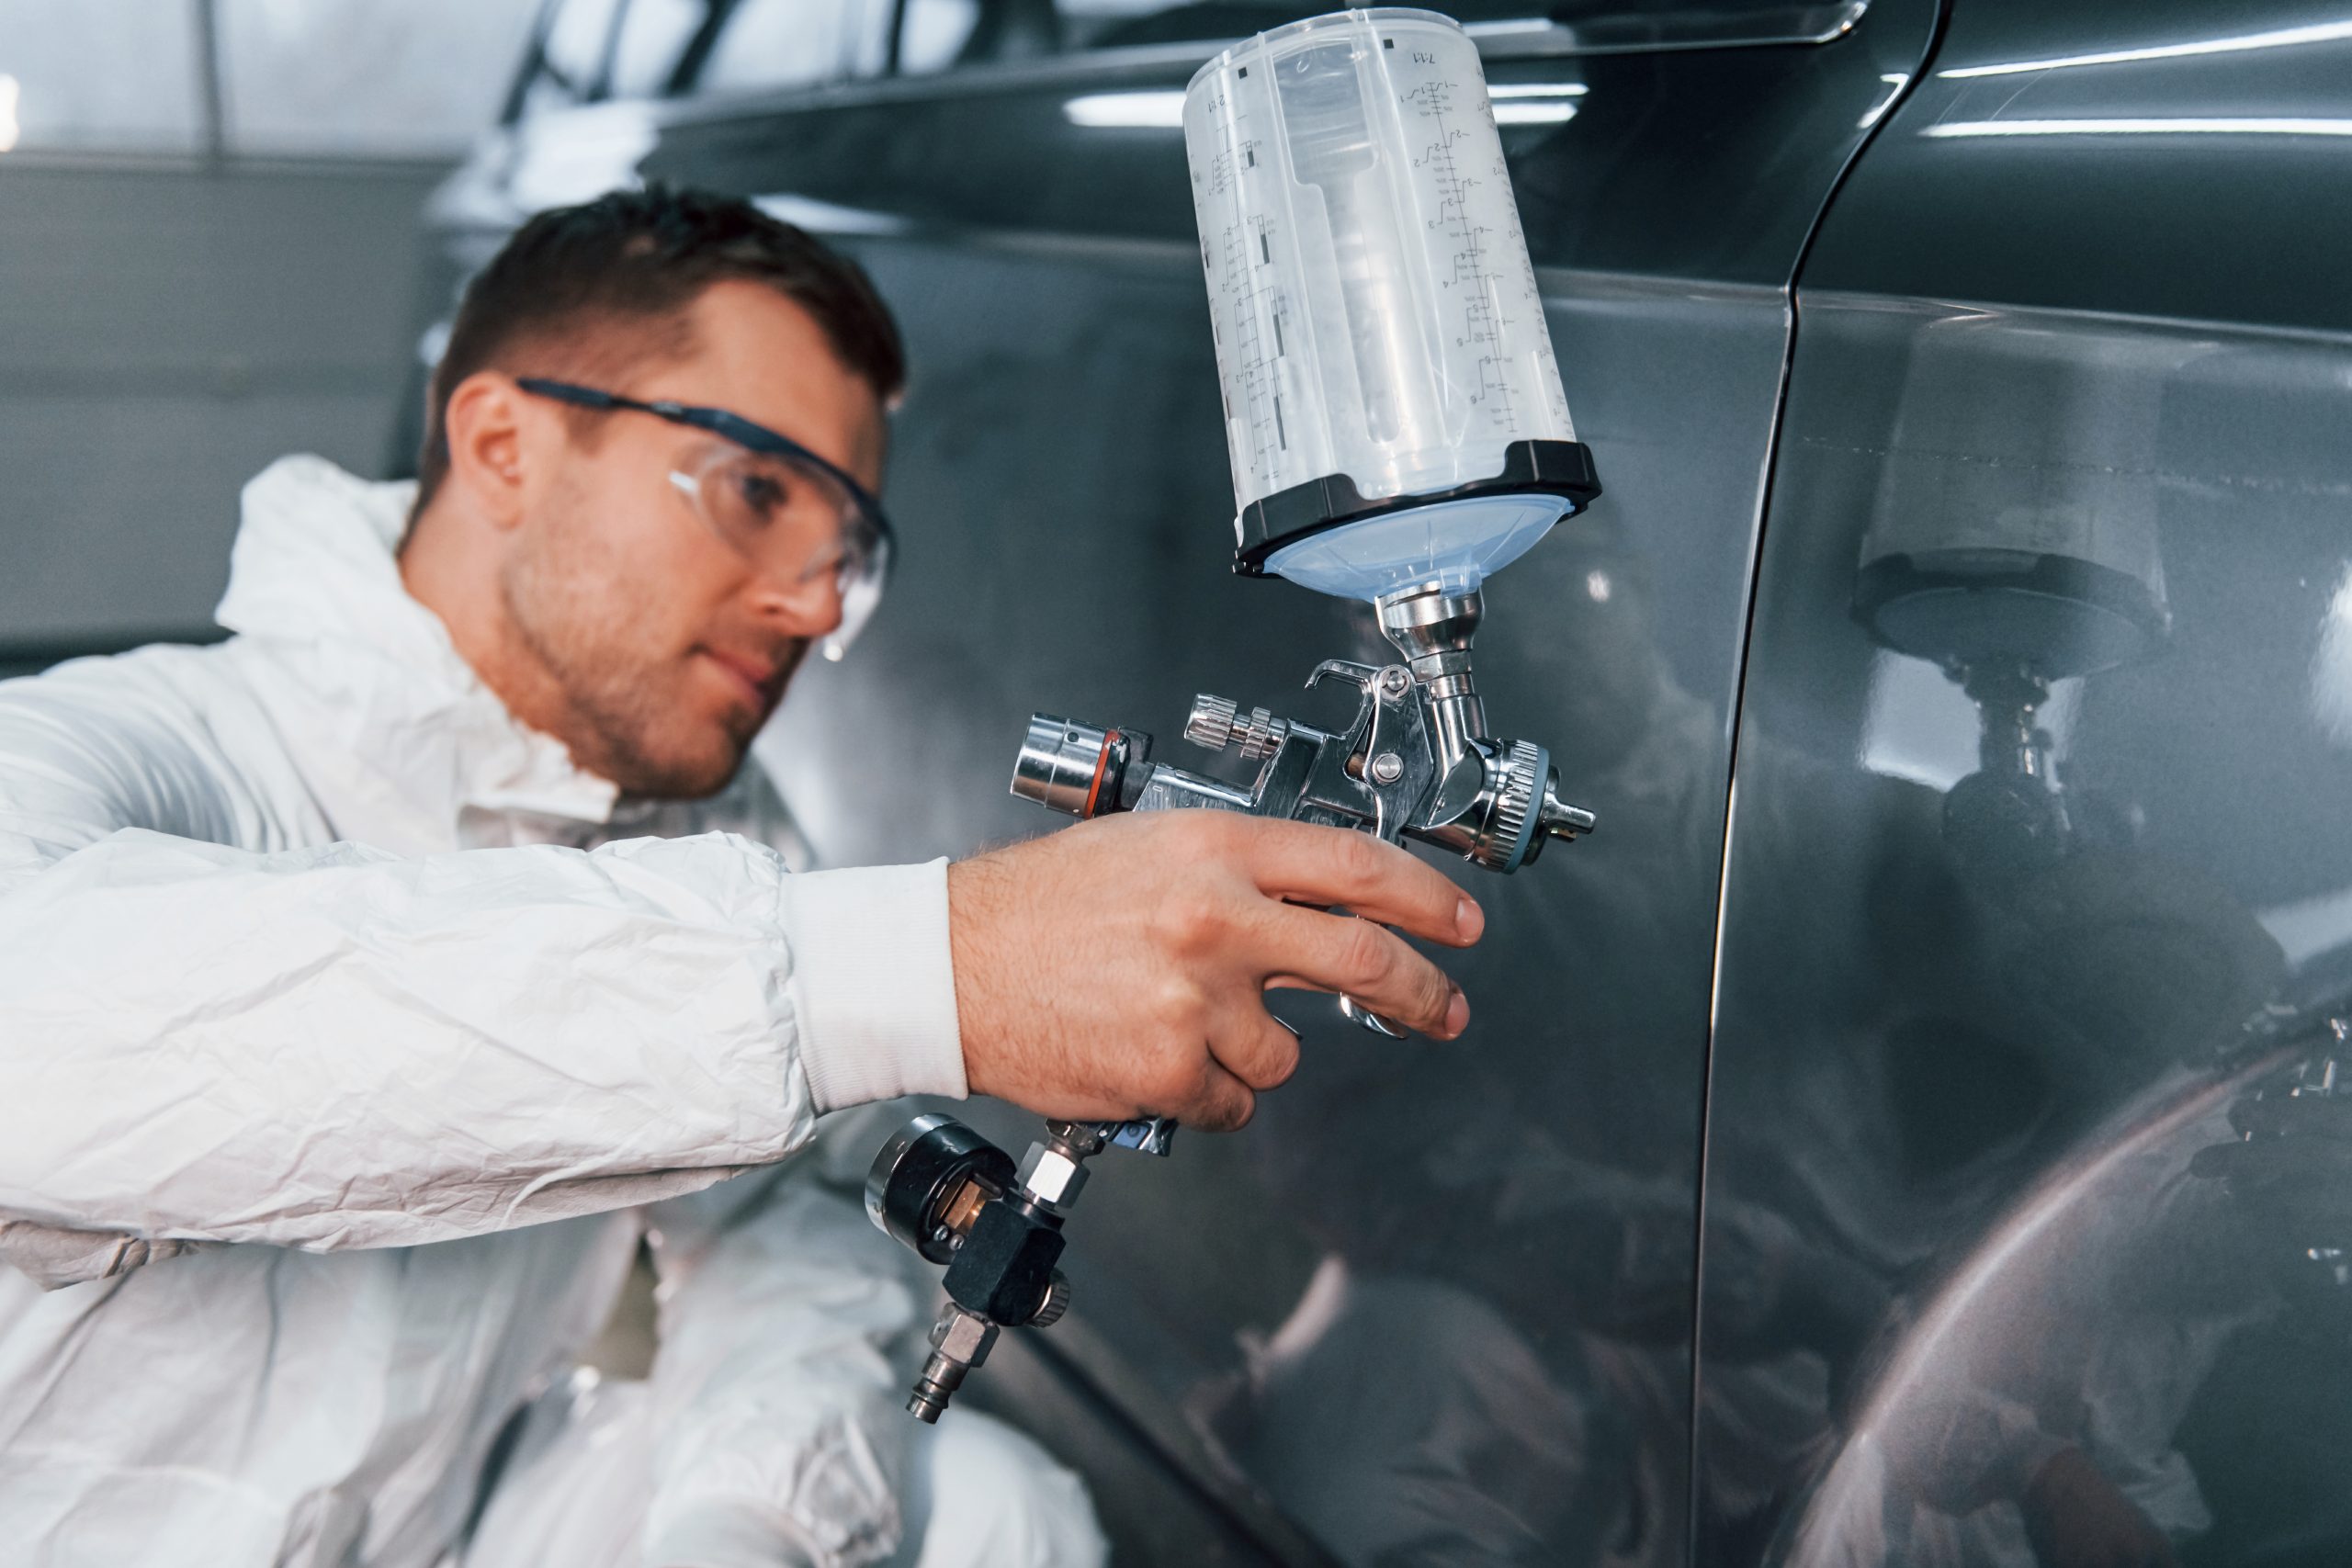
[{"x": 339, "y": 1079}]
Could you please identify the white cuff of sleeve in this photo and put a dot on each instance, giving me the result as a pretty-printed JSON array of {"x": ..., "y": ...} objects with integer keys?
[{"x": 873, "y": 984}]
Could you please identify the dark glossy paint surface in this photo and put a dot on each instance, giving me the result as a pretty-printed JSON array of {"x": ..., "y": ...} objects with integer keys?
[
  {"x": 2019, "y": 1248},
  {"x": 1435, "y": 1305},
  {"x": 1707, "y": 163},
  {"x": 2207, "y": 173}
]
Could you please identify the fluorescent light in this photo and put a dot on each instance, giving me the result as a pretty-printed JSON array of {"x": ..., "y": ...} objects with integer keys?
[
  {"x": 1534, "y": 114},
  {"x": 2178, "y": 127},
  {"x": 1141, "y": 111},
  {"x": 1895, "y": 82},
  {"x": 2282, "y": 38},
  {"x": 1535, "y": 103},
  {"x": 8, "y": 94}
]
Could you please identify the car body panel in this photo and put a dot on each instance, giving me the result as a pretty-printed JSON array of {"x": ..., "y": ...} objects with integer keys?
[{"x": 2022, "y": 1184}]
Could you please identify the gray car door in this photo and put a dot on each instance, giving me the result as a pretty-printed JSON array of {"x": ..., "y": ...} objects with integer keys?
[{"x": 2025, "y": 1200}]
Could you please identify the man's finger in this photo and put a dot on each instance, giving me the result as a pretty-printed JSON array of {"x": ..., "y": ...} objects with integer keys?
[
  {"x": 1310, "y": 865},
  {"x": 1223, "y": 1103},
  {"x": 1361, "y": 960},
  {"x": 1254, "y": 1047}
]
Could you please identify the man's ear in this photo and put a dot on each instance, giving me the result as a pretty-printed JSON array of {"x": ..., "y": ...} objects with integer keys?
[{"x": 493, "y": 428}]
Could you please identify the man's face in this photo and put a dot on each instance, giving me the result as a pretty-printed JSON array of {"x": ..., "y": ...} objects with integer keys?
[{"x": 668, "y": 646}]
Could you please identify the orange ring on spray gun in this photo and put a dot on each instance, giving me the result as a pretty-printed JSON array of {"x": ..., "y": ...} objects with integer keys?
[{"x": 1102, "y": 763}]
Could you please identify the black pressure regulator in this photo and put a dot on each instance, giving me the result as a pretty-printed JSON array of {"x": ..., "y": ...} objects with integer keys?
[{"x": 958, "y": 1200}]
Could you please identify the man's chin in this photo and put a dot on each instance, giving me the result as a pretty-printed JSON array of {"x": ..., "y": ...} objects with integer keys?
[{"x": 684, "y": 773}]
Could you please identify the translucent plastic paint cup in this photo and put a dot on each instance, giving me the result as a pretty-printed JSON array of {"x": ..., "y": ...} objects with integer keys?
[{"x": 1375, "y": 313}]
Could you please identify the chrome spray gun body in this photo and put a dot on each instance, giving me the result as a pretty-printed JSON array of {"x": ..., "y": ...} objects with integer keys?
[
  {"x": 1398, "y": 434},
  {"x": 1414, "y": 762}
]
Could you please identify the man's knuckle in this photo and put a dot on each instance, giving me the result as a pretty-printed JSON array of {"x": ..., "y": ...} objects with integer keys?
[
  {"x": 1437, "y": 993},
  {"x": 1366, "y": 953},
  {"x": 1189, "y": 920},
  {"x": 1176, "y": 1009}
]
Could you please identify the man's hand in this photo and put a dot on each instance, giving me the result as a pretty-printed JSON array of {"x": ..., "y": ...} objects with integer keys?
[{"x": 1119, "y": 967}]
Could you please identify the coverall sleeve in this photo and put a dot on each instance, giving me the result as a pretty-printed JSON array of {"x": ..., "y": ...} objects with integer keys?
[
  {"x": 338, "y": 1047},
  {"x": 778, "y": 1386}
]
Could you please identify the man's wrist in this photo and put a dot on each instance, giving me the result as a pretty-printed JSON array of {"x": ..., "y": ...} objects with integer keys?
[{"x": 872, "y": 984}]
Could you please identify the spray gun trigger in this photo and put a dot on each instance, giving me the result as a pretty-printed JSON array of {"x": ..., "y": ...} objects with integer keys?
[
  {"x": 1360, "y": 676},
  {"x": 1387, "y": 1028}
]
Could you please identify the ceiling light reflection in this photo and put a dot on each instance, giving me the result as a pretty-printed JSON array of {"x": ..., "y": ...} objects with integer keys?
[
  {"x": 1534, "y": 114},
  {"x": 1543, "y": 103},
  {"x": 1131, "y": 111},
  {"x": 2281, "y": 38},
  {"x": 1895, "y": 82},
  {"x": 2181, "y": 126}
]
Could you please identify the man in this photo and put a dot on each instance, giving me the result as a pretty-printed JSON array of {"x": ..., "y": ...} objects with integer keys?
[{"x": 353, "y": 1030}]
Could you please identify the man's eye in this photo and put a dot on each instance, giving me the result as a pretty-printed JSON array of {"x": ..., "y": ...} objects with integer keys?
[{"x": 763, "y": 495}]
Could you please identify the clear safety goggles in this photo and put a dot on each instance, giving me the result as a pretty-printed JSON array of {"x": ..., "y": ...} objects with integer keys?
[{"x": 810, "y": 529}]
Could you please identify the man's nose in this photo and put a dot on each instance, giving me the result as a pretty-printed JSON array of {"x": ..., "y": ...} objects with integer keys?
[{"x": 809, "y": 605}]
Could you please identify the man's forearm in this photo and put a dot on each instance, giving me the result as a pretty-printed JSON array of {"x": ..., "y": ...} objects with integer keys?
[{"x": 341, "y": 1048}]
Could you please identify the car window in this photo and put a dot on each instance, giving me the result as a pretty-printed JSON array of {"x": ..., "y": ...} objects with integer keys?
[
  {"x": 784, "y": 43},
  {"x": 589, "y": 50},
  {"x": 592, "y": 50},
  {"x": 946, "y": 34}
]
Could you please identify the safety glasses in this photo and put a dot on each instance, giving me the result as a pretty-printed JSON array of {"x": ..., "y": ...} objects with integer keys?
[{"x": 810, "y": 528}]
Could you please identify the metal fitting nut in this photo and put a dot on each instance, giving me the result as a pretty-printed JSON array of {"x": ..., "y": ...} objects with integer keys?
[
  {"x": 1387, "y": 768},
  {"x": 1051, "y": 1175},
  {"x": 963, "y": 1337},
  {"x": 1395, "y": 679}
]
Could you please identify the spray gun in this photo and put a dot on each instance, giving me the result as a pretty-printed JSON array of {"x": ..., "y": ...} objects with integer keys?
[
  {"x": 1414, "y": 762},
  {"x": 1398, "y": 434}
]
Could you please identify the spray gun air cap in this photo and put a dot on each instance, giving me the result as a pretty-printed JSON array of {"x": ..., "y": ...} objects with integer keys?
[{"x": 1393, "y": 410}]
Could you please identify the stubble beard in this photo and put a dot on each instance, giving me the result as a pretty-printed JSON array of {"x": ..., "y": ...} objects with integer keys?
[{"x": 627, "y": 721}]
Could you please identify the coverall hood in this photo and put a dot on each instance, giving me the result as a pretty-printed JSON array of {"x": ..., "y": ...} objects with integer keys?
[{"x": 380, "y": 702}]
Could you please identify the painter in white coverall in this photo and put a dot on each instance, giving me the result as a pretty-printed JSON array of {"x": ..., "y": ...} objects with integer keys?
[{"x": 318, "y": 1161}]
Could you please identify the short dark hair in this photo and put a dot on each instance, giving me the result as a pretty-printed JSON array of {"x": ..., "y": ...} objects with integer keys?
[{"x": 639, "y": 260}]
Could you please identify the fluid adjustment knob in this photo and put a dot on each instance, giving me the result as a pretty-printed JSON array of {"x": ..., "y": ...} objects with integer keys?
[
  {"x": 1210, "y": 725},
  {"x": 1523, "y": 808},
  {"x": 1057, "y": 1301}
]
